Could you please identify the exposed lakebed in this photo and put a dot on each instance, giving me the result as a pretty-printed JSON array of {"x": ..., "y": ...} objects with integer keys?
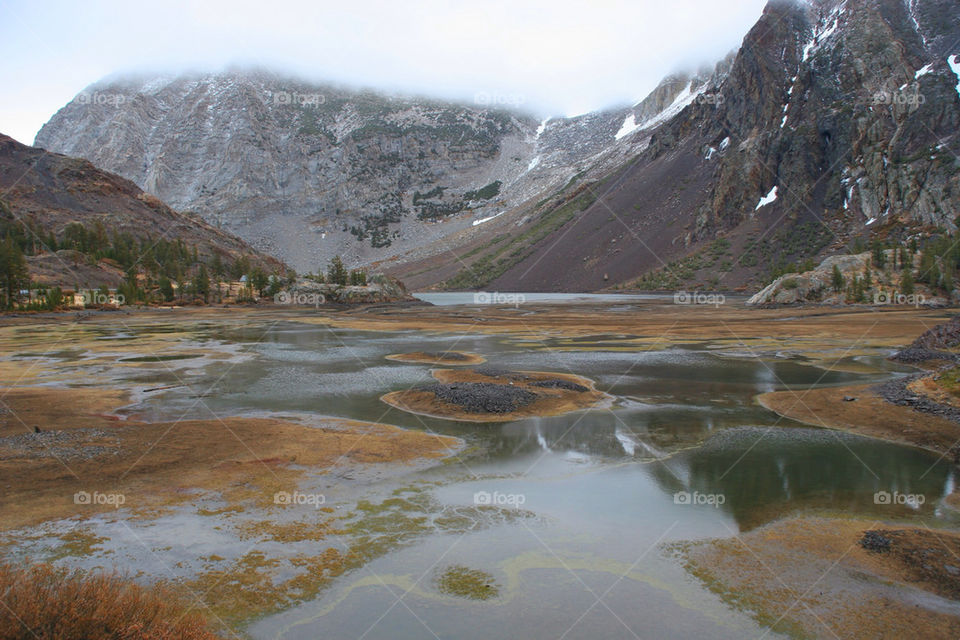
[{"x": 533, "y": 528}]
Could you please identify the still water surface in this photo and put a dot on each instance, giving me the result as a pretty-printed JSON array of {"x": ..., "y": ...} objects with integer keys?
[{"x": 602, "y": 491}]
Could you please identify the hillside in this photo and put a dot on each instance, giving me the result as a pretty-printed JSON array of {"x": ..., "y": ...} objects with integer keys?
[{"x": 80, "y": 226}]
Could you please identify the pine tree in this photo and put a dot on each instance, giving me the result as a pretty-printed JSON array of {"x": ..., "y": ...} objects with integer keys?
[
  {"x": 879, "y": 255},
  {"x": 166, "y": 289},
  {"x": 14, "y": 274},
  {"x": 906, "y": 282},
  {"x": 838, "y": 279},
  {"x": 259, "y": 280},
  {"x": 336, "y": 272},
  {"x": 201, "y": 284}
]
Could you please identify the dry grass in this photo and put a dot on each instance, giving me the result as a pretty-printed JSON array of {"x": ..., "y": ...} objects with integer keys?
[
  {"x": 549, "y": 402},
  {"x": 157, "y": 464},
  {"x": 41, "y": 602},
  {"x": 870, "y": 415},
  {"x": 809, "y": 577}
]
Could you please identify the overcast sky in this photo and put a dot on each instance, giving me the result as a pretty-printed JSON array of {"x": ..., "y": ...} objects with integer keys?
[{"x": 548, "y": 57}]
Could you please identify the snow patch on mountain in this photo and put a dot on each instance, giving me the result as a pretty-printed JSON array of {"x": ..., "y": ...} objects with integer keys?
[
  {"x": 954, "y": 62},
  {"x": 767, "y": 199},
  {"x": 629, "y": 126}
]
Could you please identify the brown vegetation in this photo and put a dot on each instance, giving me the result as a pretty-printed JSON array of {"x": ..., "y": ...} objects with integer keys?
[
  {"x": 811, "y": 577},
  {"x": 154, "y": 464},
  {"x": 868, "y": 415},
  {"x": 45, "y": 603}
]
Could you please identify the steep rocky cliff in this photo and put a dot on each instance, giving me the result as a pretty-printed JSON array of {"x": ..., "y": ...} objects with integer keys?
[{"x": 836, "y": 120}]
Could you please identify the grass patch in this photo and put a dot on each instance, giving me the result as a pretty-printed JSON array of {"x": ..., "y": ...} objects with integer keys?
[{"x": 464, "y": 582}]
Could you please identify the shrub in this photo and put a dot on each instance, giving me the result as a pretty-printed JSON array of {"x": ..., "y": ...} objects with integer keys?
[{"x": 49, "y": 603}]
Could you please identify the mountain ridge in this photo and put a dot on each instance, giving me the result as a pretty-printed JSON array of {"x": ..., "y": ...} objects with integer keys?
[{"x": 832, "y": 116}]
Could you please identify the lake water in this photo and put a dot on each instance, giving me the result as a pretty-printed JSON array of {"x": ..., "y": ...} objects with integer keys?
[{"x": 683, "y": 454}]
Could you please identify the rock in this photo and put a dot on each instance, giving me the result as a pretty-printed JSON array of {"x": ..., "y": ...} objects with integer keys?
[
  {"x": 811, "y": 286},
  {"x": 482, "y": 397},
  {"x": 932, "y": 344},
  {"x": 849, "y": 399},
  {"x": 380, "y": 290},
  {"x": 875, "y": 541}
]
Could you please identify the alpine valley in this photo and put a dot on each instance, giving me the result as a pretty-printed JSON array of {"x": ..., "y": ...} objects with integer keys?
[{"x": 835, "y": 120}]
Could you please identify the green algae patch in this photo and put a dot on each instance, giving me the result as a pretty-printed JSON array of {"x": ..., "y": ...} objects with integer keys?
[{"x": 463, "y": 582}]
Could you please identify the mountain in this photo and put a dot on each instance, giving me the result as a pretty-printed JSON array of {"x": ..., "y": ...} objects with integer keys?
[
  {"x": 47, "y": 198},
  {"x": 306, "y": 171},
  {"x": 835, "y": 120}
]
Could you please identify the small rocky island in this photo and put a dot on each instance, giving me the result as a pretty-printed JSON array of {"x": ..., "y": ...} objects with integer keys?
[{"x": 497, "y": 395}]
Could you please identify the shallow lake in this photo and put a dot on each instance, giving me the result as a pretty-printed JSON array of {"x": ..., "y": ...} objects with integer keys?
[{"x": 683, "y": 454}]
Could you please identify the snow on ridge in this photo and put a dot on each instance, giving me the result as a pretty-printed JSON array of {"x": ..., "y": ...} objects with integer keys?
[
  {"x": 629, "y": 126},
  {"x": 542, "y": 127},
  {"x": 767, "y": 199},
  {"x": 487, "y": 219},
  {"x": 820, "y": 36},
  {"x": 954, "y": 62},
  {"x": 533, "y": 163},
  {"x": 922, "y": 72},
  {"x": 681, "y": 102},
  {"x": 911, "y": 11}
]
